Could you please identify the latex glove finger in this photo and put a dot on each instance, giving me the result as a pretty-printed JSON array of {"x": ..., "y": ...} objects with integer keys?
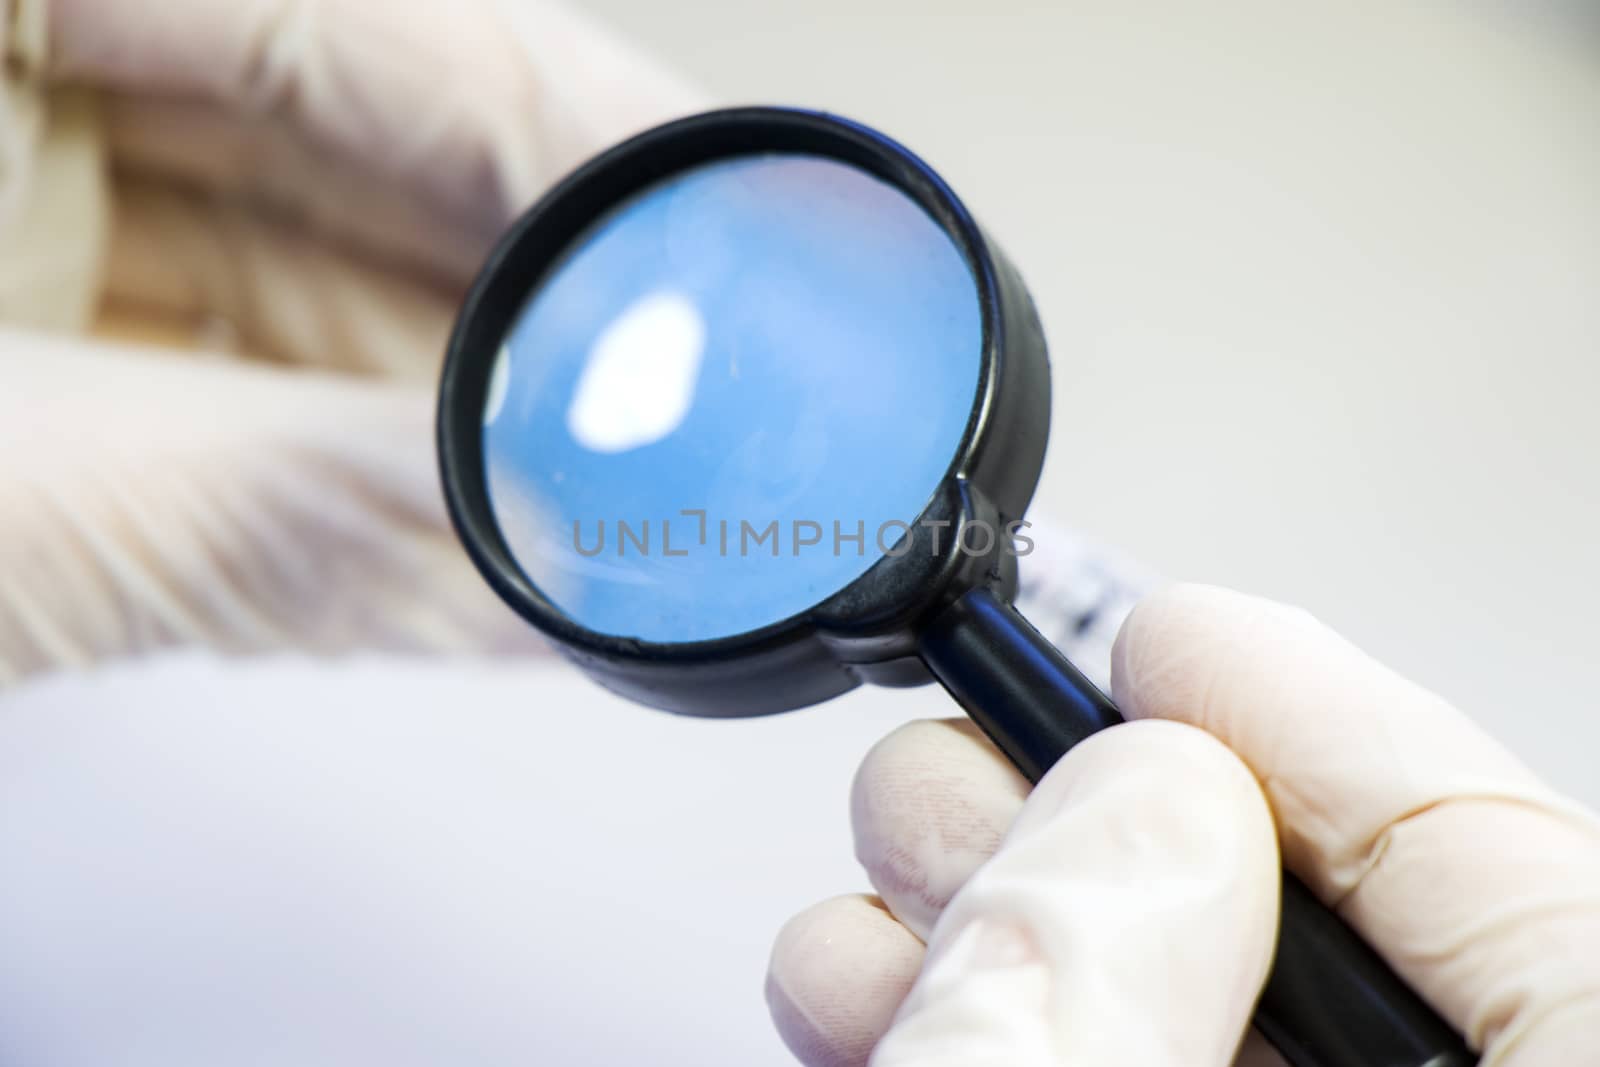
[
  {"x": 839, "y": 972},
  {"x": 213, "y": 273},
  {"x": 842, "y": 968},
  {"x": 363, "y": 118},
  {"x": 1477, "y": 882},
  {"x": 930, "y": 805},
  {"x": 1129, "y": 917},
  {"x": 1059, "y": 951},
  {"x": 52, "y": 203},
  {"x": 154, "y": 500}
]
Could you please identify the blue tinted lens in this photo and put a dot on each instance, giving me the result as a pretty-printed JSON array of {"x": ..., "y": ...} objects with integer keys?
[{"x": 731, "y": 398}]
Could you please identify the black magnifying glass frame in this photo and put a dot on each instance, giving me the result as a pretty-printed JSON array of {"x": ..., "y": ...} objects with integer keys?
[
  {"x": 931, "y": 612},
  {"x": 866, "y": 632}
]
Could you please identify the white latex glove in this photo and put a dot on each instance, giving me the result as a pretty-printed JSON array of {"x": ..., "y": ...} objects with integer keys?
[
  {"x": 281, "y": 201},
  {"x": 1128, "y": 912}
]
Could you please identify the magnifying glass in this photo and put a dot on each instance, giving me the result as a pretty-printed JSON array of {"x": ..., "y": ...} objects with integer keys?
[{"x": 748, "y": 411}]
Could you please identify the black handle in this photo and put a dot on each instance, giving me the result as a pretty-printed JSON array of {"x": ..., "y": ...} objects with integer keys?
[{"x": 1330, "y": 1000}]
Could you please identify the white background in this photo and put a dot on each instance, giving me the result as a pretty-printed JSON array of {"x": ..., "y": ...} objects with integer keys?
[{"x": 1322, "y": 292}]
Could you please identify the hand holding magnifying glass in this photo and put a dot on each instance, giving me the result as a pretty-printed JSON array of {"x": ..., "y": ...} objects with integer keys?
[
  {"x": 1127, "y": 916},
  {"x": 747, "y": 411}
]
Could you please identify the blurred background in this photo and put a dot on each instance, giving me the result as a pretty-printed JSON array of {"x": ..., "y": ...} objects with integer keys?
[{"x": 1322, "y": 284}]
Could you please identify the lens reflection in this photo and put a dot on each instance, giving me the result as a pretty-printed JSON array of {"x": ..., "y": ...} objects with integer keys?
[{"x": 731, "y": 397}]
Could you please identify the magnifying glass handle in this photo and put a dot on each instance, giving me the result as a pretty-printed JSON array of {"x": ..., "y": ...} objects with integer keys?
[{"x": 1330, "y": 1001}]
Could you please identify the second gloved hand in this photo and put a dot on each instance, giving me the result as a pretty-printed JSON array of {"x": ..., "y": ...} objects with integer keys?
[{"x": 233, "y": 236}]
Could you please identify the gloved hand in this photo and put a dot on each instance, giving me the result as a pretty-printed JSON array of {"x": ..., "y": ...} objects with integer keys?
[
  {"x": 1128, "y": 912},
  {"x": 287, "y": 198}
]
